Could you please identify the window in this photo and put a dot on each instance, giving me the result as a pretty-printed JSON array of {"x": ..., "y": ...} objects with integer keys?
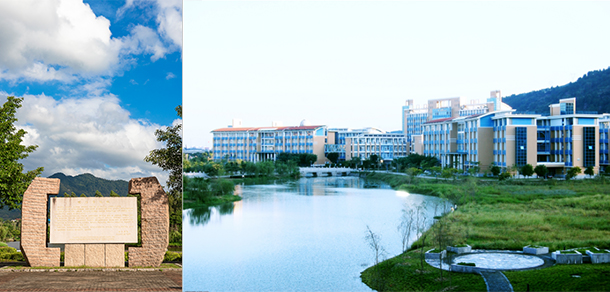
[
  {"x": 589, "y": 146},
  {"x": 521, "y": 146}
]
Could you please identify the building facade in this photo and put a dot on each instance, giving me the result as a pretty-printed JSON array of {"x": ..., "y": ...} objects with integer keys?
[{"x": 265, "y": 143}]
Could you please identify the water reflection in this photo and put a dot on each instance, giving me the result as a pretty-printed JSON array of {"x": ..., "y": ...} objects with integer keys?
[
  {"x": 305, "y": 235},
  {"x": 199, "y": 215}
]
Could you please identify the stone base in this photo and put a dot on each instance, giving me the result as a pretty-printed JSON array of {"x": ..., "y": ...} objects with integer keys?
[
  {"x": 460, "y": 250},
  {"x": 535, "y": 250},
  {"x": 567, "y": 258},
  {"x": 463, "y": 269},
  {"x": 599, "y": 258},
  {"x": 436, "y": 255},
  {"x": 95, "y": 255}
]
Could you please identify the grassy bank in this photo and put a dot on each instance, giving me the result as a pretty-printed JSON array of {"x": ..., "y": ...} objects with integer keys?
[
  {"x": 404, "y": 273},
  {"x": 509, "y": 215},
  {"x": 213, "y": 201}
]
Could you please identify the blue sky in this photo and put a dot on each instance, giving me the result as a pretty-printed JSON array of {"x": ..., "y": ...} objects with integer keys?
[
  {"x": 97, "y": 77},
  {"x": 354, "y": 64}
]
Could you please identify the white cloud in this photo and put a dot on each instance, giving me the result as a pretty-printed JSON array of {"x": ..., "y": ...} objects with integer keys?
[
  {"x": 144, "y": 40},
  {"x": 170, "y": 75},
  {"x": 88, "y": 135},
  {"x": 64, "y": 40},
  {"x": 54, "y": 40},
  {"x": 168, "y": 18}
]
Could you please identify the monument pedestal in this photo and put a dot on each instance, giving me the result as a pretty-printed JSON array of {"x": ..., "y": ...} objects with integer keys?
[{"x": 95, "y": 255}]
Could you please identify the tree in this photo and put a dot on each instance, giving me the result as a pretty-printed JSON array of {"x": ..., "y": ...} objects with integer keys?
[
  {"x": 98, "y": 194},
  {"x": 170, "y": 158},
  {"x": 333, "y": 157},
  {"x": 527, "y": 170},
  {"x": 374, "y": 242},
  {"x": 374, "y": 160},
  {"x": 541, "y": 170},
  {"x": 406, "y": 225},
  {"x": 83, "y": 195},
  {"x": 13, "y": 182},
  {"x": 495, "y": 170},
  {"x": 572, "y": 172},
  {"x": 589, "y": 171},
  {"x": 113, "y": 194}
]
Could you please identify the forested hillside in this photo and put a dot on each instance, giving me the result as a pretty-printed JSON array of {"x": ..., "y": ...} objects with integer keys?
[
  {"x": 592, "y": 92},
  {"x": 87, "y": 184}
]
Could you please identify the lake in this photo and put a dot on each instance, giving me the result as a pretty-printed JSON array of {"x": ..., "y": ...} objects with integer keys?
[{"x": 305, "y": 235}]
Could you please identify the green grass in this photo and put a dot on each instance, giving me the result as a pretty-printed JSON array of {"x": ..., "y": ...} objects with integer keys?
[
  {"x": 512, "y": 214},
  {"x": 404, "y": 273},
  {"x": 593, "y": 277}
]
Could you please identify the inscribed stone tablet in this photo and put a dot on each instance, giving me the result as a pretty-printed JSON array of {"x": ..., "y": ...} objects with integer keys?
[{"x": 94, "y": 220}]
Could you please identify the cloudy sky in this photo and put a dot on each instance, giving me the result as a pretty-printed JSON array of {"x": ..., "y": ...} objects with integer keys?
[
  {"x": 98, "y": 79},
  {"x": 354, "y": 63}
]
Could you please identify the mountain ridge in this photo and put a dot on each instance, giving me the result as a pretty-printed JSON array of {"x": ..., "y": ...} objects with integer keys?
[{"x": 592, "y": 92}]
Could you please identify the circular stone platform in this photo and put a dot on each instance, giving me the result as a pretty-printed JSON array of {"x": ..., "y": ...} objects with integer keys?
[
  {"x": 500, "y": 261},
  {"x": 495, "y": 260}
]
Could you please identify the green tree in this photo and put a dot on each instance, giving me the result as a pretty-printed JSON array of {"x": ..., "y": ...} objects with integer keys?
[
  {"x": 98, "y": 194},
  {"x": 527, "y": 170},
  {"x": 495, "y": 170},
  {"x": 541, "y": 170},
  {"x": 83, "y": 195},
  {"x": 13, "y": 181},
  {"x": 333, "y": 157},
  {"x": 504, "y": 176},
  {"x": 374, "y": 160},
  {"x": 170, "y": 159},
  {"x": 573, "y": 172},
  {"x": 113, "y": 194},
  {"x": 355, "y": 162},
  {"x": 589, "y": 171}
]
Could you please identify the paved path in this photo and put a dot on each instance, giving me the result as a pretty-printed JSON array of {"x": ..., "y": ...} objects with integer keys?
[
  {"x": 98, "y": 281},
  {"x": 496, "y": 281}
]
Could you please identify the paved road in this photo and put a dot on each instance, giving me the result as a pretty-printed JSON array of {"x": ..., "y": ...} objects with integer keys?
[
  {"x": 98, "y": 281},
  {"x": 496, "y": 281}
]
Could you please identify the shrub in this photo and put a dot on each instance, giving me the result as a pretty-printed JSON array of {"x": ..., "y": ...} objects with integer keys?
[
  {"x": 2, "y": 244},
  {"x": 171, "y": 256},
  {"x": 504, "y": 176}
]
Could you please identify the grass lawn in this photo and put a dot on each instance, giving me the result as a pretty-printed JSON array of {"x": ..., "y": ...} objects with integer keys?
[
  {"x": 589, "y": 277},
  {"x": 512, "y": 214},
  {"x": 402, "y": 273}
]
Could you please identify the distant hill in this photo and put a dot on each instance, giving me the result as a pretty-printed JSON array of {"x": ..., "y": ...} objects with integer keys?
[
  {"x": 87, "y": 184},
  {"x": 81, "y": 184},
  {"x": 592, "y": 92}
]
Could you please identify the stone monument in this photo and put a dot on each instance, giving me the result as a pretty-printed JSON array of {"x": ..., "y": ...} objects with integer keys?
[{"x": 95, "y": 229}]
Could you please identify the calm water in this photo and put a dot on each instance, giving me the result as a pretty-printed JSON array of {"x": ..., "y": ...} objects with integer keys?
[{"x": 299, "y": 236}]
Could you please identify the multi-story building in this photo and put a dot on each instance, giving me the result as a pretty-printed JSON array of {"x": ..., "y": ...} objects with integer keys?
[
  {"x": 365, "y": 142},
  {"x": 562, "y": 139},
  {"x": 604, "y": 126},
  {"x": 415, "y": 116},
  {"x": 265, "y": 143}
]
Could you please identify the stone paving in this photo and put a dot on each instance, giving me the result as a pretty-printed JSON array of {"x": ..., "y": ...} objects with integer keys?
[
  {"x": 496, "y": 260},
  {"x": 98, "y": 281},
  {"x": 496, "y": 281}
]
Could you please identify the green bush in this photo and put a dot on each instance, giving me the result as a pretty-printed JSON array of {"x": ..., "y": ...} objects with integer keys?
[
  {"x": 171, "y": 256},
  {"x": 126, "y": 256},
  {"x": 9, "y": 253},
  {"x": 2, "y": 244}
]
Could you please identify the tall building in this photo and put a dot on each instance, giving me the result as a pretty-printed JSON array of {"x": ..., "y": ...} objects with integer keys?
[
  {"x": 365, "y": 142},
  {"x": 265, "y": 143},
  {"x": 562, "y": 139},
  {"x": 415, "y": 116}
]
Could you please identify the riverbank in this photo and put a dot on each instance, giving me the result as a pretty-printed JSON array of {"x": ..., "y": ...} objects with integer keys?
[
  {"x": 214, "y": 201},
  {"x": 509, "y": 215}
]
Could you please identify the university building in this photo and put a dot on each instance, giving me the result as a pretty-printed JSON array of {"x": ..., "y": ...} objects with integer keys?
[
  {"x": 561, "y": 139},
  {"x": 265, "y": 143}
]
